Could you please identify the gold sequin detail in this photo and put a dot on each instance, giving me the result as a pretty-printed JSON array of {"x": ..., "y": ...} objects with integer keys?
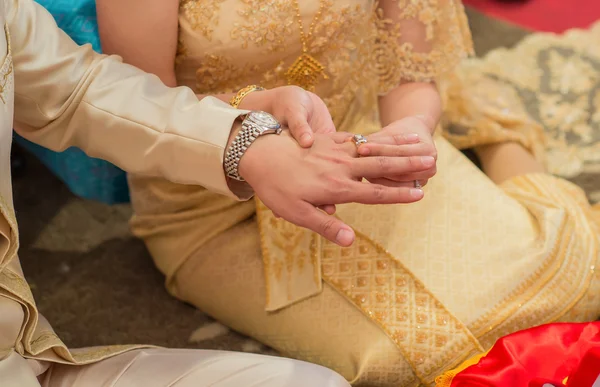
[
  {"x": 306, "y": 72},
  {"x": 203, "y": 15},
  {"x": 209, "y": 75},
  {"x": 267, "y": 24}
]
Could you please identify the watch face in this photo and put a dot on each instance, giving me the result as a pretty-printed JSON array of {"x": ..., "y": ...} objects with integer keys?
[{"x": 264, "y": 119}]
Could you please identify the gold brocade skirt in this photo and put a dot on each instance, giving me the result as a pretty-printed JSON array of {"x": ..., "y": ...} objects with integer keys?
[{"x": 425, "y": 285}]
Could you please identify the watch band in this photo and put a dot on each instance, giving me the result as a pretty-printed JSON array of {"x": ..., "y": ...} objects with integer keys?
[
  {"x": 250, "y": 131},
  {"x": 236, "y": 100}
]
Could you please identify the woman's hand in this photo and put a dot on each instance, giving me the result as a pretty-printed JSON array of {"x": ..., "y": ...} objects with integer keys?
[
  {"x": 293, "y": 181},
  {"x": 305, "y": 114},
  {"x": 407, "y": 137},
  {"x": 301, "y": 111}
]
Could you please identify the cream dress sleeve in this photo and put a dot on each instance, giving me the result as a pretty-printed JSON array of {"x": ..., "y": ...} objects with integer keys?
[{"x": 419, "y": 41}]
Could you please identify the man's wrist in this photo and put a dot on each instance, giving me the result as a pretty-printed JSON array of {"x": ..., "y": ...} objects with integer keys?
[
  {"x": 250, "y": 158},
  {"x": 235, "y": 129},
  {"x": 255, "y": 155},
  {"x": 240, "y": 188}
]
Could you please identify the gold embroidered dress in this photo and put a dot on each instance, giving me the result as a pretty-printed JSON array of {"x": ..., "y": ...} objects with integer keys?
[{"x": 425, "y": 285}]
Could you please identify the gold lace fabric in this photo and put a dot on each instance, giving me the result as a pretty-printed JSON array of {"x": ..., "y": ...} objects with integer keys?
[
  {"x": 544, "y": 93},
  {"x": 418, "y": 41},
  {"x": 367, "y": 47}
]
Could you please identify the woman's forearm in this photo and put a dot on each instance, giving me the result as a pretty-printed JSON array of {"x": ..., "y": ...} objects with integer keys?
[
  {"x": 258, "y": 100},
  {"x": 409, "y": 100}
]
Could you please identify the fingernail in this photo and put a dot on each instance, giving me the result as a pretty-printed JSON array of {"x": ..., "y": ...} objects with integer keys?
[
  {"x": 427, "y": 161},
  {"x": 411, "y": 137},
  {"x": 416, "y": 193},
  {"x": 344, "y": 237},
  {"x": 305, "y": 138}
]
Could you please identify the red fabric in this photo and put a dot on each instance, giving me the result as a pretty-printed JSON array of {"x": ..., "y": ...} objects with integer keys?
[
  {"x": 546, "y": 354},
  {"x": 542, "y": 15},
  {"x": 589, "y": 370}
]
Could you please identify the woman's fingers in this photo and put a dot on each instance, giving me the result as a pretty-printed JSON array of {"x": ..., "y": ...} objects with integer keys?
[
  {"x": 379, "y": 166},
  {"x": 385, "y": 137},
  {"x": 425, "y": 175},
  {"x": 299, "y": 128},
  {"x": 368, "y": 193},
  {"x": 377, "y": 149},
  {"x": 394, "y": 183}
]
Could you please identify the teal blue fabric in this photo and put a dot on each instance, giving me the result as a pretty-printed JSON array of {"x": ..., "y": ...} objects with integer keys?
[{"x": 85, "y": 176}]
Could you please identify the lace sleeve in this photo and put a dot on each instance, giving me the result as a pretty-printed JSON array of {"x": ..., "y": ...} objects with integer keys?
[{"x": 419, "y": 40}]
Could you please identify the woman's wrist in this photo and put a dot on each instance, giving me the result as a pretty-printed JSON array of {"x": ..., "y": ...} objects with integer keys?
[
  {"x": 259, "y": 101},
  {"x": 412, "y": 99}
]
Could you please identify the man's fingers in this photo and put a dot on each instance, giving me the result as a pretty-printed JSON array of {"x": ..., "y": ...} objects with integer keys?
[
  {"x": 328, "y": 208},
  {"x": 341, "y": 137},
  {"x": 380, "y": 166},
  {"x": 299, "y": 128},
  {"x": 375, "y": 149},
  {"x": 328, "y": 226}
]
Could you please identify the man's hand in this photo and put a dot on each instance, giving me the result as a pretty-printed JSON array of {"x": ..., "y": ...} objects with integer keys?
[
  {"x": 410, "y": 136},
  {"x": 293, "y": 181}
]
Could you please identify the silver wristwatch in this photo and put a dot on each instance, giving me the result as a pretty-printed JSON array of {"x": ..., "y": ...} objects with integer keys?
[{"x": 255, "y": 124}]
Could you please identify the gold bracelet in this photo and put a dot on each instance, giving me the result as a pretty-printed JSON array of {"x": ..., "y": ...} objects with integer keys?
[{"x": 237, "y": 99}]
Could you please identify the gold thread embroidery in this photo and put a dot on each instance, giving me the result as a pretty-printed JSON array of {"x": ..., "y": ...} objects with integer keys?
[
  {"x": 9, "y": 214},
  {"x": 285, "y": 248},
  {"x": 540, "y": 87},
  {"x": 6, "y": 70},
  {"x": 357, "y": 45},
  {"x": 440, "y": 38},
  {"x": 404, "y": 309},
  {"x": 215, "y": 72},
  {"x": 267, "y": 23},
  {"x": 203, "y": 15}
]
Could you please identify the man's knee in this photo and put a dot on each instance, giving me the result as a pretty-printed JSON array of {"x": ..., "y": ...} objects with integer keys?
[{"x": 302, "y": 374}]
